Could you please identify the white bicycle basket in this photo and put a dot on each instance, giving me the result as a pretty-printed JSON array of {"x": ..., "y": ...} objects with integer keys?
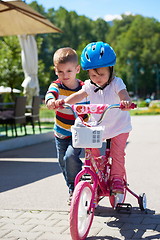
[{"x": 87, "y": 137}]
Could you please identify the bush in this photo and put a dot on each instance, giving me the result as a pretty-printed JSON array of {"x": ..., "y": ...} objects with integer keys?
[
  {"x": 46, "y": 113},
  {"x": 142, "y": 104},
  {"x": 154, "y": 104}
]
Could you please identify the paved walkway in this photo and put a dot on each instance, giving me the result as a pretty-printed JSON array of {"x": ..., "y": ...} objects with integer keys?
[
  {"x": 33, "y": 193},
  {"x": 52, "y": 225}
]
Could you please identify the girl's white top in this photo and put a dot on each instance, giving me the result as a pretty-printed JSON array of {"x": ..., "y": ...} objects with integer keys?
[{"x": 116, "y": 121}]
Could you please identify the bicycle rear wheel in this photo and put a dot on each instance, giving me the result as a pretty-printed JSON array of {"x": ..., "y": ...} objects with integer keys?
[{"x": 81, "y": 213}]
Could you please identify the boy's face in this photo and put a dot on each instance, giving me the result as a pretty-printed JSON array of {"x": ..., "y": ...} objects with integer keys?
[
  {"x": 100, "y": 76},
  {"x": 66, "y": 72}
]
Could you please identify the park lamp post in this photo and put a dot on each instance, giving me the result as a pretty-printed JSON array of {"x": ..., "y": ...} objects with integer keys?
[
  {"x": 142, "y": 70},
  {"x": 156, "y": 70},
  {"x": 135, "y": 74}
]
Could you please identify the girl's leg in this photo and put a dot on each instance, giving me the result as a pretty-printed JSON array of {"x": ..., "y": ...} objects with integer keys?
[{"x": 117, "y": 153}]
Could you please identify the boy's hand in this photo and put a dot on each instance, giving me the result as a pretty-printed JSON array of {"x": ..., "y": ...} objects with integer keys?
[
  {"x": 54, "y": 104},
  {"x": 59, "y": 103},
  {"x": 51, "y": 104}
]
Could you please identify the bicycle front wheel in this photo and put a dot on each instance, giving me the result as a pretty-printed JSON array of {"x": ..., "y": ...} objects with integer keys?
[{"x": 81, "y": 213}]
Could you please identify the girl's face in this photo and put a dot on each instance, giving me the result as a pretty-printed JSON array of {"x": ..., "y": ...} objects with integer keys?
[{"x": 100, "y": 76}]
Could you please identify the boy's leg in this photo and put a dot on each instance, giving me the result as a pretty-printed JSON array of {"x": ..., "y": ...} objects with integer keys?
[
  {"x": 73, "y": 165},
  {"x": 117, "y": 153},
  {"x": 61, "y": 146},
  {"x": 69, "y": 160}
]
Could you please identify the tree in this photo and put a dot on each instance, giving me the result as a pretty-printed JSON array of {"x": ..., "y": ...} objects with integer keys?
[
  {"x": 137, "y": 51},
  {"x": 100, "y": 29},
  {"x": 10, "y": 63}
]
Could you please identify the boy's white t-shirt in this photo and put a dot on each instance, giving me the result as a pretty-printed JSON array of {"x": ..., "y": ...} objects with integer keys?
[{"x": 116, "y": 121}]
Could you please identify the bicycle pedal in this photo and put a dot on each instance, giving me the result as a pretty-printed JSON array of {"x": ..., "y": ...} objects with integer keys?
[{"x": 124, "y": 207}]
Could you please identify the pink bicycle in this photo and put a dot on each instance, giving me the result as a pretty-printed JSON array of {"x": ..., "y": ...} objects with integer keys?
[{"x": 93, "y": 182}]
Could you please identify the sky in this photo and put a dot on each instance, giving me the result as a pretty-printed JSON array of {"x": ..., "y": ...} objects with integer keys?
[{"x": 106, "y": 9}]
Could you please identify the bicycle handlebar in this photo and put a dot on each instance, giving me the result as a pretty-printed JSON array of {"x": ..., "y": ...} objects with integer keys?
[{"x": 102, "y": 109}]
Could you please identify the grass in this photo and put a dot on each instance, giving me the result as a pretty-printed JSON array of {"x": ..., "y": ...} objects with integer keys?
[
  {"x": 45, "y": 113},
  {"x": 152, "y": 109},
  {"x": 45, "y": 127},
  {"x": 147, "y": 111},
  {"x": 47, "y": 123}
]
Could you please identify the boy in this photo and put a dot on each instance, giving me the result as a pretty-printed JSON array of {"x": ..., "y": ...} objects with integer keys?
[{"x": 66, "y": 67}]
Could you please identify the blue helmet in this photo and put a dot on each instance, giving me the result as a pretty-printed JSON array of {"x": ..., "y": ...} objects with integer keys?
[{"x": 97, "y": 55}]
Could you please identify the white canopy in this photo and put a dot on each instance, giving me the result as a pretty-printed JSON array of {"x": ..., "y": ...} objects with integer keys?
[{"x": 29, "y": 54}]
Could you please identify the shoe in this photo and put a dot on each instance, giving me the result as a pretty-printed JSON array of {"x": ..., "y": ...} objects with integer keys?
[
  {"x": 70, "y": 198},
  {"x": 117, "y": 186}
]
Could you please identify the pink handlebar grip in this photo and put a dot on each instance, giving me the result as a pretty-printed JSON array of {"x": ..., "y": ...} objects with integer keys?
[{"x": 132, "y": 106}]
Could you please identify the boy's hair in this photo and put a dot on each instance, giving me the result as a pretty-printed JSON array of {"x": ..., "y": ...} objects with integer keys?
[{"x": 64, "y": 55}]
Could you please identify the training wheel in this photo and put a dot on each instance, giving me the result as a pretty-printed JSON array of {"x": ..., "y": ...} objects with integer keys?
[{"x": 142, "y": 202}]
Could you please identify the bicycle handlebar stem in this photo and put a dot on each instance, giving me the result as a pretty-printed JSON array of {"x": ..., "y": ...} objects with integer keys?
[{"x": 106, "y": 110}]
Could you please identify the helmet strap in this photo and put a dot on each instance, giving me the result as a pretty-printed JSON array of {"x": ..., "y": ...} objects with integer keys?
[
  {"x": 99, "y": 87},
  {"x": 109, "y": 80}
]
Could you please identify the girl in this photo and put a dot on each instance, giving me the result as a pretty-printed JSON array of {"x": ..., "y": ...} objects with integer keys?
[{"x": 105, "y": 88}]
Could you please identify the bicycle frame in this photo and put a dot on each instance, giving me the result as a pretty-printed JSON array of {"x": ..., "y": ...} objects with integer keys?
[
  {"x": 97, "y": 168},
  {"x": 99, "y": 178},
  {"x": 91, "y": 166}
]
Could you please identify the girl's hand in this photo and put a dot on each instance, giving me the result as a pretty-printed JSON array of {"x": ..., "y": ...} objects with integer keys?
[
  {"x": 126, "y": 104},
  {"x": 124, "y": 99}
]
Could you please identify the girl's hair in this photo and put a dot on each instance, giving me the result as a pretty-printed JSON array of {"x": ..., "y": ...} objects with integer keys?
[{"x": 64, "y": 55}]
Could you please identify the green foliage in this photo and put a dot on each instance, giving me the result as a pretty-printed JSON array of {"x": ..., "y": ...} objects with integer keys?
[
  {"x": 135, "y": 39},
  {"x": 11, "y": 73},
  {"x": 10, "y": 62},
  {"x": 136, "y": 45},
  {"x": 142, "y": 104}
]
